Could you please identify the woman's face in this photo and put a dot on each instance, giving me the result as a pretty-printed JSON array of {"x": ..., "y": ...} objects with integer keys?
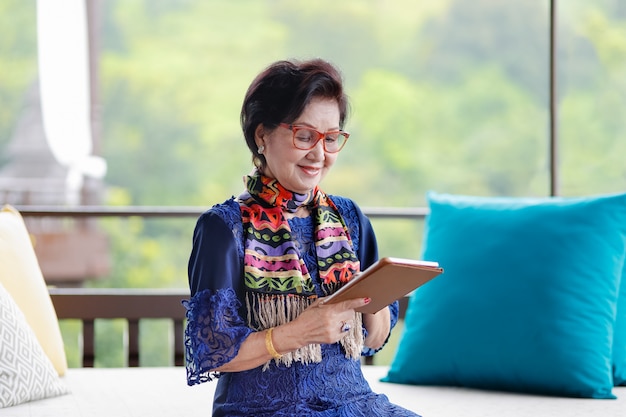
[{"x": 300, "y": 170}]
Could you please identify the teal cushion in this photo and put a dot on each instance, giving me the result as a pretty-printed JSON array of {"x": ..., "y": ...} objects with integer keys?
[
  {"x": 619, "y": 340},
  {"x": 528, "y": 298}
]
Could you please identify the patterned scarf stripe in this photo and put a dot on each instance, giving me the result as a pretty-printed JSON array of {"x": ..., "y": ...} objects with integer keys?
[
  {"x": 273, "y": 284},
  {"x": 288, "y": 261},
  {"x": 266, "y": 223},
  {"x": 277, "y": 273}
]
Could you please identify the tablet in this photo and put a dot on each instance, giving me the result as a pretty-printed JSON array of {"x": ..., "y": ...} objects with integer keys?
[{"x": 386, "y": 281}]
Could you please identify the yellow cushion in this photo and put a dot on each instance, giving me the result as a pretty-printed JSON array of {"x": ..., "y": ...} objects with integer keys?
[{"x": 22, "y": 278}]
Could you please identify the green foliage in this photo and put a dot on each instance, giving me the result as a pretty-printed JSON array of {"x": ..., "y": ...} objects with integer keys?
[
  {"x": 176, "y": 108},
  {"x": 18, "y": 63},
  {"x": 71, "y": 331},
  {"x": 591, "y": 119}
]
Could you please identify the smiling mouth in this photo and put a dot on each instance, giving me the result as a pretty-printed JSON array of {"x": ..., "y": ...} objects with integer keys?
[{"x": 310, "y": 170}]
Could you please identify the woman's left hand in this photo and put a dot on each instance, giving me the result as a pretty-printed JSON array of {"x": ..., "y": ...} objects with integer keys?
[{"x": 378, "y": 326}]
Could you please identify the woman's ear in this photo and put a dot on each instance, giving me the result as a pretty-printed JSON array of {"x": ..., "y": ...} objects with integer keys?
[{"x": 259, "y": 135}]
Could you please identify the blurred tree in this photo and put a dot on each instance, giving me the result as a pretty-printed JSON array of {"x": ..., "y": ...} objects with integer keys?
[
  {"x": 592, "y": 125},
  {"x": 18, "y": 62}
]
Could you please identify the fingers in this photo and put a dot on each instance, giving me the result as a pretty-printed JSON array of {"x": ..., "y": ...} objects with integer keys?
[
  {"x": 356, "y": 303},
  {"x": 328, "y": 323},
  {"x": 352, "y": 304}
]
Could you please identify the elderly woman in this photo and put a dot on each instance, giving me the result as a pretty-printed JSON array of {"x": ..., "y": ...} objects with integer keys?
[{"x": 262, "y": 263}]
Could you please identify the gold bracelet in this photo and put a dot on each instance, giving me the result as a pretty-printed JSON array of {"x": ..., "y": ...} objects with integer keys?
[{"x": 269, "y": 345}]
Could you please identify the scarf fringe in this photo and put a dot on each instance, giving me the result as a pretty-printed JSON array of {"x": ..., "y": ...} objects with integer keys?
[{"x": 265, "y": 311}]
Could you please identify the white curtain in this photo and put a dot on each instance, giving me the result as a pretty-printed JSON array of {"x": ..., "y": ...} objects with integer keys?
[{"x": 65, "y": 89}]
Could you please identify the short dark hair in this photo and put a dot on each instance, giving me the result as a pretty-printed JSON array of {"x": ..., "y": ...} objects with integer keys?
[{"x": 280, "y": 93}]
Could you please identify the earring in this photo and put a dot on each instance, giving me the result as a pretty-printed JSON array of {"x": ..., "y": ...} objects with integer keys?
[{"x": 261, "y": 149}]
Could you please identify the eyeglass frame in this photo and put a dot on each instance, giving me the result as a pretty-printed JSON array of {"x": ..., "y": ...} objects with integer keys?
[{"x": 320, "y": 136}]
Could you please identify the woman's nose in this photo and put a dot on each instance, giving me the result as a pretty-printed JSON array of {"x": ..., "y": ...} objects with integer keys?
[{"x": 318, "y": 150}]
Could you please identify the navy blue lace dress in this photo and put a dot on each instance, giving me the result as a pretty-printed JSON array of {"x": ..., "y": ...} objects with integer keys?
[{"x": 217, "y": 327}]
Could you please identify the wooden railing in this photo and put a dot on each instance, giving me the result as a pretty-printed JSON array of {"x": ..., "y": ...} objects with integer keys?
[{"x": 133, "y": 305}]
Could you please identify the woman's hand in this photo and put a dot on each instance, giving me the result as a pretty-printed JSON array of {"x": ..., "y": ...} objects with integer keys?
[
  {"x": 378, "y": 326},
  {"x": 319, "y": 323}
]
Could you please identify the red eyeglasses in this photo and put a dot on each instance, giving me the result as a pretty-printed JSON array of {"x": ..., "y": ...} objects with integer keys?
[{"x": 306, "y": 138}]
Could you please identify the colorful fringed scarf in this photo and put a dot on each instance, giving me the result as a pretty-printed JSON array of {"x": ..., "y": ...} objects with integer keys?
[{"x": 277, "y": 281}]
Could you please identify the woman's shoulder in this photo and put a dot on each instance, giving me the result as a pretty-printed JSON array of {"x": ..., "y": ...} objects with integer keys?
[
  {"x": 346, "y": 205},
  {"x": 224, "y": 209},
  {"x": 227, "y": 212},
  {"x": 351, "y": 213}
]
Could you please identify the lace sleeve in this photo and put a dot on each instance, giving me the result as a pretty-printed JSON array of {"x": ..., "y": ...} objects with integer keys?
[
  {"x": 214, "y": 333},
  {"x": 215, "y": 329}
]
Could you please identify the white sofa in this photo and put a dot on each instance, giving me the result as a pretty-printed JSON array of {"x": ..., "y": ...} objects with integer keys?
[{"x": 155, "y": 392}]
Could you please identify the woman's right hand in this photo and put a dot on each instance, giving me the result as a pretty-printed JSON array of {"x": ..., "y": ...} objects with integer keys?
[{"x": 319, "y": 323}]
